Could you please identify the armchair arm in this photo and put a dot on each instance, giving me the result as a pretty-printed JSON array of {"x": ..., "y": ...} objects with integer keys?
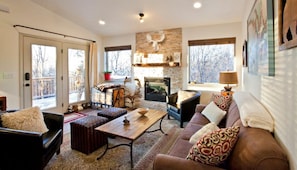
[
  {"x": 163, "y": 161},
  {"x": 53, "y": 121},
  {"x": 187, "y": 107},
  {"x": 19, "y": 147}
]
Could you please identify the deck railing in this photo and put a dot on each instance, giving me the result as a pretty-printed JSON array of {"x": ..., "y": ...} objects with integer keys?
[{"x": 46, "y": 87}]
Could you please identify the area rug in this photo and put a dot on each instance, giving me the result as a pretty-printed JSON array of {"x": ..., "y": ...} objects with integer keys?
[
  {"x": 144, "y": 150},
  {"x": 72, "y": 116}
]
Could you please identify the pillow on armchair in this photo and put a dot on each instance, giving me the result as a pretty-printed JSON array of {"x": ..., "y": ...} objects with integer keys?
[
  {"x": 30, "y": 119},
  {"x": 183, "y": 95}
]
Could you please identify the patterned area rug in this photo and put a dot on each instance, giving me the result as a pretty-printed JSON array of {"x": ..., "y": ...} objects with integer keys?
[
  {"x": 73, "y": 116},
  {"x": 144, "y": 150}
]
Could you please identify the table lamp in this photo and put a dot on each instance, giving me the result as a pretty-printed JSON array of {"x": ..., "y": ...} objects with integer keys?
[{"x": 228, "y": 77}]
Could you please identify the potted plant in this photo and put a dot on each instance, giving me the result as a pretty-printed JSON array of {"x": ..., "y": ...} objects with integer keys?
[{"x": 107, "y": 75}]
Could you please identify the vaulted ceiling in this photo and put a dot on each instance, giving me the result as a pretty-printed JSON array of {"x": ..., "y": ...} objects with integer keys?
[{"x": 122, "y": 16}]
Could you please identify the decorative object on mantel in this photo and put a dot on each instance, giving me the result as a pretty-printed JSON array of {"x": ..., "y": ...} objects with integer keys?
[
  {"x": 287, "y": 19},
  {"x": 155, "y": 42},
  {"x": 170, "y": 60}
]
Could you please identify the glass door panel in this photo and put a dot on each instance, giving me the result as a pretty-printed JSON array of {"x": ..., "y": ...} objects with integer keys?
[
  {"x": 44, "y": 76},
  {"x": 76, "y": 74}
]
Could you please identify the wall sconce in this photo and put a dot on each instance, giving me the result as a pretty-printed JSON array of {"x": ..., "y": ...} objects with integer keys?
[
  {"x": 228, "y": 77},
  {"x": 141, "y": 15}
]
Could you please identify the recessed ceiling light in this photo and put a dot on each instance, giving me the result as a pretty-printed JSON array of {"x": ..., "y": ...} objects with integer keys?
[
  {"x": 197, "y": 5},
  {"x": 101, "y": 22}
]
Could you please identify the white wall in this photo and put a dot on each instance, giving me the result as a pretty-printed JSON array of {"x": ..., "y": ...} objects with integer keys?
[
  {"x": 24, "y": 12},
  {"x": 194, "y": 33},
  {"x": 278, "y": 93}
]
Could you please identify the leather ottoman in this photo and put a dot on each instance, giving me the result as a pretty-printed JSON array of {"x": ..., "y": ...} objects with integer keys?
[
  {"x": 84, "y": 137},
  {"x": 111, "y": 112}
]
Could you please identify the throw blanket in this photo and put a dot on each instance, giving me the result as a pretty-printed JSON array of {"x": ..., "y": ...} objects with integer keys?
[
  {"x": 103, "y": 87},
  {"x": 252, "y": 112}
]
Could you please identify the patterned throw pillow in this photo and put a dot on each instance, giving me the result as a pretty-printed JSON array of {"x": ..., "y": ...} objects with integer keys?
[
  {"x": 214, "y": 148},
  {"x": 221, "y": 101}
]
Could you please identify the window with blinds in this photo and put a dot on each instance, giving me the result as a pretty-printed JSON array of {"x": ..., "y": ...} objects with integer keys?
[
  {"x": 118, "y": 61},
  {"x": 208, "y": 57}
]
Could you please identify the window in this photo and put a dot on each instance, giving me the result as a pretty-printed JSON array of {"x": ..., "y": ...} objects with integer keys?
[
  {"x": 208, "y": 57},
  {"x": 118, "y": 61}
]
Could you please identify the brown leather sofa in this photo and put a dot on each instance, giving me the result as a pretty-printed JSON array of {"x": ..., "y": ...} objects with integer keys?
[
  {"x": 255, "y": 148},
  {"x": 30, "y": 150}
]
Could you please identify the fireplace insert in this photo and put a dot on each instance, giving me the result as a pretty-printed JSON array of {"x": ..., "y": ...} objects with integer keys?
[{"x": 156, "y": 88}]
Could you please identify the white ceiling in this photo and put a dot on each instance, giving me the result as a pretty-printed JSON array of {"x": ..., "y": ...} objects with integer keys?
[{"x": 121, "y": 16}]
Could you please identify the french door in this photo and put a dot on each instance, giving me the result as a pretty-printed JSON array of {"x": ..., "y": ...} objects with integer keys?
[{"x": 54, "y": 74}]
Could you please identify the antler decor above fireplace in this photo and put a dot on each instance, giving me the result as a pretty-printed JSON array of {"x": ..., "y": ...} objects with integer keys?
[
  {"x": 155, "y": 42},
  {"x": 168, "y": 45}
]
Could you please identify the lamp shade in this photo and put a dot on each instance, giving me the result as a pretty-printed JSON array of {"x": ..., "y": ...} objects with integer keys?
[{"x": 228, "y": 77}]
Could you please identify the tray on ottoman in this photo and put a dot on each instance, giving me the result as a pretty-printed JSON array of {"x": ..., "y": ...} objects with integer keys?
[
  {"x": 83, "y": 136},
  {"x": 111, "y": 112}
]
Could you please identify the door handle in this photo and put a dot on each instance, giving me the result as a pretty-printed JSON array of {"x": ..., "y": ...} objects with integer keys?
[{"x": 27, "y": 84}]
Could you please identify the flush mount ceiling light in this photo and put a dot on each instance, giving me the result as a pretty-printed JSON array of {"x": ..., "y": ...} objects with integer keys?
[
  {"x": 141, "y": 15},
  {"x": 101, "y": 22},
  {"x": 197, "y": 4}
]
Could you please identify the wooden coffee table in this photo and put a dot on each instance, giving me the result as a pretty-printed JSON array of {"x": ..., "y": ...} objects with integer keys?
[{"x": 137, "y": 126}]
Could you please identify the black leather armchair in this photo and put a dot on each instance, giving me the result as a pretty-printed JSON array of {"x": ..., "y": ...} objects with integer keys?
[
  {"x": 186, "y": 109},
  {"x": 31, "y": 150}
]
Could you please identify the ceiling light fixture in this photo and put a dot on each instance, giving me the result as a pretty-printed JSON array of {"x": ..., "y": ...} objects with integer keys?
[
  {"x": 101, "y": 22},
  {"x": 141, "y": 15},
  {"x": 197, "y": 4}
]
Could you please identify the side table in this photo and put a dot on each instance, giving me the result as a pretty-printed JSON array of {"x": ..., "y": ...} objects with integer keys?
[{"x": 2, "y": 103}]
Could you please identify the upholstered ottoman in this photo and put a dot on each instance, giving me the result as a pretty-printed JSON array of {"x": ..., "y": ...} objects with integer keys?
[
  {"x": 112, "y": 112},
  {"x": 84, "y": 137}
]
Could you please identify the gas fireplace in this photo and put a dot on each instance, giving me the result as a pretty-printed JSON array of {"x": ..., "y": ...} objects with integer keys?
[{"x": 156, "y": 88}]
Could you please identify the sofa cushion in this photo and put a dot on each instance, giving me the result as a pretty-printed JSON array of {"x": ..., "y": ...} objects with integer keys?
[
  {"x": 214, "y": 148},
  {"x": 222, "y": 101},
  {"x": 30, "y": 119},
  {"x": 189, "y": 130},
  {"x": 180, "y": 148},
  {"x": 213, "y": 113},
  {"x": 210, "y": 127}
]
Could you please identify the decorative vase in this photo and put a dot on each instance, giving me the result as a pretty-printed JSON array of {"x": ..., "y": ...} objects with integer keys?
[{"x": 171, "y": 64}]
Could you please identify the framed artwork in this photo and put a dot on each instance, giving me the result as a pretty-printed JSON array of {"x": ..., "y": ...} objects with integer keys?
[
  {"x": 244, "y": 54},
  {"x": 287, "y": 24},
  {"x": 260, "y": 43}
]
